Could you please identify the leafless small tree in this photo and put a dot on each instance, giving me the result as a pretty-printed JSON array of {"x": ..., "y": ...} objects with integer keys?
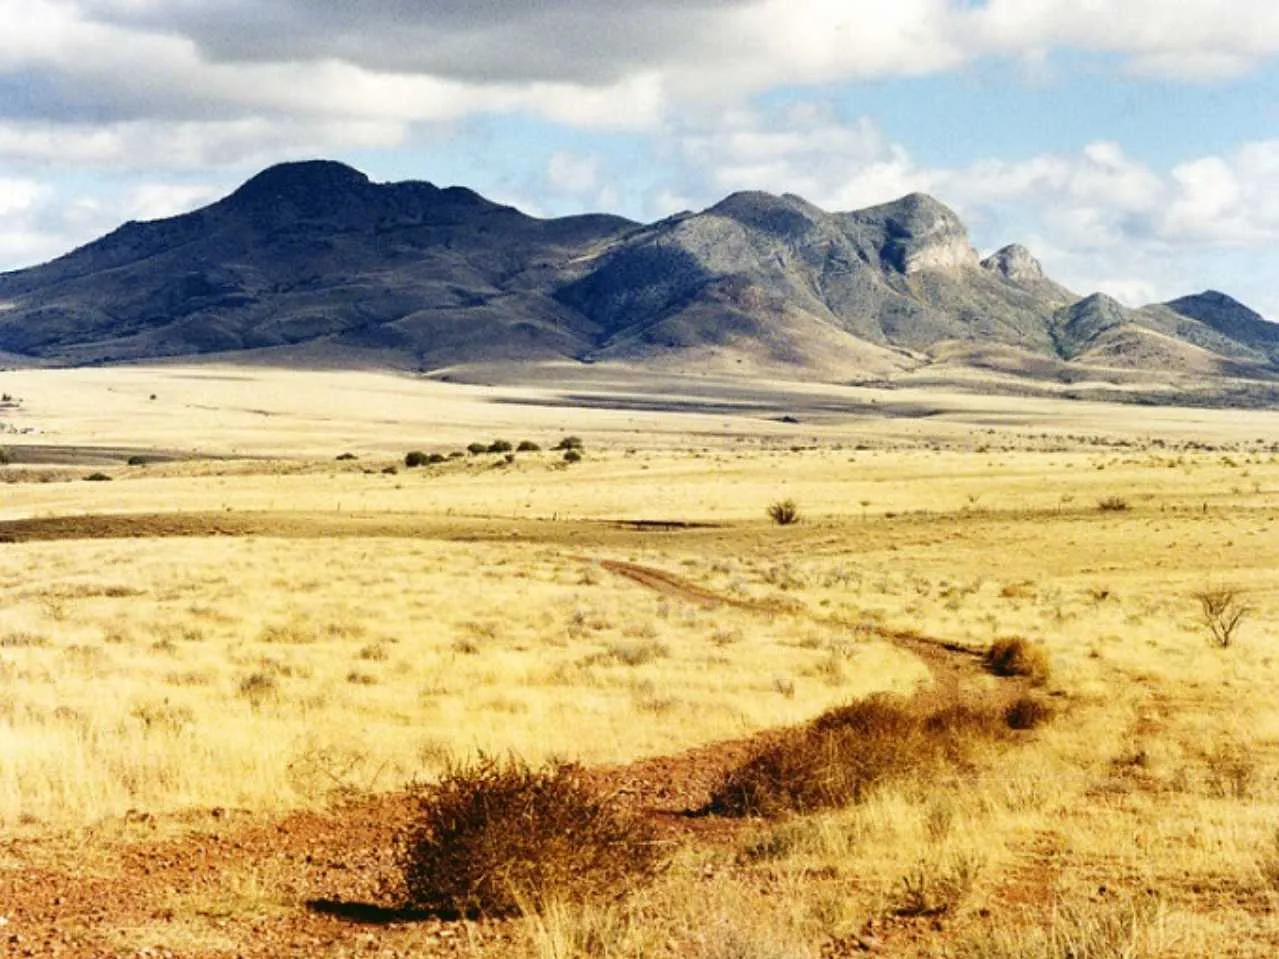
[{"x": 1223, "y": 608}]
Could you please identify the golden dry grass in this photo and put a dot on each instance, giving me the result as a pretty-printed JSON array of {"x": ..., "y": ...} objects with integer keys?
[{"x": 266, "y": 673}]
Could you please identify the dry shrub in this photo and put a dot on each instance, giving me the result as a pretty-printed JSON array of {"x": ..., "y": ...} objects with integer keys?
[
  {"x": 783, "y": 512},
  {"x": 1018, "y": 656},
  {"x": 838, "y": 758},
  {"x": 1027, "y": 712},
  {"x": 495, "y": 837},
  {"x": 1224, "y": 609}
]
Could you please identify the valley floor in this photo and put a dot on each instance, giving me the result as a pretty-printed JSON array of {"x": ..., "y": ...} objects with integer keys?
[{"x": 221, "y": 668}]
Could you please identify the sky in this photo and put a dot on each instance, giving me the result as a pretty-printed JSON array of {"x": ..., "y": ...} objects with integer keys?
[{"x": 1132, "y": 145}]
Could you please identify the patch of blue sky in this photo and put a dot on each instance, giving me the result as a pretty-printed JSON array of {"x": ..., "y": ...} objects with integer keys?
[{"x": 996, "y": 108}]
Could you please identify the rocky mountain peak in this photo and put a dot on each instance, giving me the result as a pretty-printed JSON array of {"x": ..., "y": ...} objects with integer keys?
[
  {"x": 1014, "y": 262},
  {"x": 1099, "y": 304},
  {"x": 303, "y": 181},
  {"x": 778, "y": 215},
  {"x": 922, "y": 234},
  {"x": 1210, "y": 301}
]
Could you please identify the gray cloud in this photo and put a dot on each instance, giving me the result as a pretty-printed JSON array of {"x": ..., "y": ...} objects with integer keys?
[
  {"x": 596, "y": 63},
  {"x": 489, "y": 41}
]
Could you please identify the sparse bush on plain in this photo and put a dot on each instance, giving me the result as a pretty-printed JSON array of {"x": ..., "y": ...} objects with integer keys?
[
  {"x": 346, "y": 457},
  {"x": 935, "y": 888},
  {"x": 500, "y": 446},
  {"x": 1027, "y": 712},
  {"x": 1222, "y": 610},
  {"x": 1018, "y": 656},
  {"x": 1113, "y": 504},
  {"x": 637, "y": 652},
  {"x": 845, "y": 753},
  {"x": 142, "y": 460},
  {"x": 415, "y": 459},
  {"x": 570, "y": 443},
  {"x": 572, "y": 456},
  {"x": 259, "y": 688},
  {"x": 475, "y": 449},
  {"x": 528, "y": 446},
  {"x": 783, "y": 512},
  {"x": 496, "y": 837},
  {"x": 434, "y": 459},
  {"x": 97, "y": 478}
]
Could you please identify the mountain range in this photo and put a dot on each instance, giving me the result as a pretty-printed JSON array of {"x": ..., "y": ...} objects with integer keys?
[{"x": 312, "y": 263}]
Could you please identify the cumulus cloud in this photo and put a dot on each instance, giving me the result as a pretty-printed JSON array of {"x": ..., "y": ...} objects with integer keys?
[
  {"x": 584, "y": 62},
  {"x": 1189, "y": 39},
  {"x": 802, "y": 148},
  {"x": 193, "y": 145},
  {"x": 580, "y": 177}
]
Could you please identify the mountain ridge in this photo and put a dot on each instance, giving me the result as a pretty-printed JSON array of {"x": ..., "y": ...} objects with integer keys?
[{"x": 314, "y": 258}]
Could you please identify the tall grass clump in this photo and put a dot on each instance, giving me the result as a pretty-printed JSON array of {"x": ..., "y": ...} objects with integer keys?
[{"x": 497, "y": 837}]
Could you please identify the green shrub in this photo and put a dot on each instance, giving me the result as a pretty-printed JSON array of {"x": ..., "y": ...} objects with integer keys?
[
  {"x": 500, "y": 446},
  {"x": 475, "y": 449},
  {"x": 436, "y": 458},
  {"x": 783, "y": 512},
  {"x": 415, "y": 458},
  {"x": 528, "y": 446},
  {"x": 570, "y": 443},
  {"x": 572, "y": 456},
  {"x": 1018, "y": 656},
  {"x": 495, "y": 837}
]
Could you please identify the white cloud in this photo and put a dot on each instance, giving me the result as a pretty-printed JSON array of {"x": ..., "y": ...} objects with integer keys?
[
  {"x": 184, "y": 145},
  {"x": 1188, "y": 39},
  {"x": 798, "y": 148},
  {"x": 17, "y": 196},
  {"x": 388, "y": 64},
  {"x": 568, "y": 172}
]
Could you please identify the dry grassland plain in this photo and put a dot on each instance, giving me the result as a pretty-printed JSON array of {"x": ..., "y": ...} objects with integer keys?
[{"x": 266, "y": 629}]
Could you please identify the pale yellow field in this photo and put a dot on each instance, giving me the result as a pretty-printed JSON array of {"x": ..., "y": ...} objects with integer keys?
[{"x": 264, "y": 672}]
